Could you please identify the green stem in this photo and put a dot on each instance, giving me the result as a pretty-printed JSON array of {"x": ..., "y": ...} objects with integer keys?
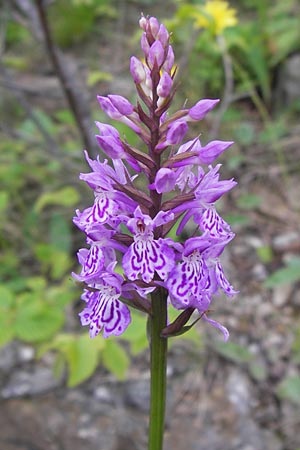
[{"x": 158, "y": 363}]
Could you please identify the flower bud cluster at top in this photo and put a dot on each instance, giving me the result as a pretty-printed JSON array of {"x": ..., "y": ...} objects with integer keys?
[{"x": 129, "y": 253}]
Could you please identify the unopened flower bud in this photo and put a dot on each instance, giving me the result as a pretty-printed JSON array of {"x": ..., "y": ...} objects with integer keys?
[
  {"x": 137, "y": 70},
  {"x": 154, "y": 26},
  {"x": 199, "y": 111},
  {"x": 165, "y": 85},
  {"x": 176, "y": 132},
  {"x": 163, "y": 35},
  {"x": 165, "y": 180},
  {"x": 145, "y": 45},
  {"x": 121, "y": 104},
  {"x": 111, "y": 147},
  {"x": 156, "y": 53},
  {"x": 212, "y": 150},
  {"x": 169, "y": 62},
  {"x": 107, "y": 107},
  {"x": 143, "y": 23}
]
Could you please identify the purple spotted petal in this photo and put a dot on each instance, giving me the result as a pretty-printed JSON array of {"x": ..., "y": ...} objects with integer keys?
[
  {"x": 106, "y": 313},
  {"x": 93, "y": 264},
  {"x": 187, "y": 281},
  {"x": 223, "y": 282},
  {"x": 145, "y": 257},
  {"x": 212, "y": 224},
  {"x": 104, "y": 207}
]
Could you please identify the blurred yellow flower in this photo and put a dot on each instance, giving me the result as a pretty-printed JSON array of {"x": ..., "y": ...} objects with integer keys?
[{"x": 216, "y": 15}]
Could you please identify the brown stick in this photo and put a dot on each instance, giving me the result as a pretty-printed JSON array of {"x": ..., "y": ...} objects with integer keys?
[{"x": 81, "y": 117}]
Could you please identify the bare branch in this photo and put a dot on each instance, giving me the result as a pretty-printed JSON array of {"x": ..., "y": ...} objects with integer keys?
[{"x": 78, "y": 104}]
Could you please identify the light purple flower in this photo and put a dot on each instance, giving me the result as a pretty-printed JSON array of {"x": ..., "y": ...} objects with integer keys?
[
  {"x": 147, "y": 255},
  {"x": 104, "y": 310}
]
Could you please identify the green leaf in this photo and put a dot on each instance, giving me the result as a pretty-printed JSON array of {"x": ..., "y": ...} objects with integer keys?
[
  {"x": 258, "y": 370},
  {"x": 135, "y": 334},
  {"x": 95, "y": 77},
  {"x": 6, "y": 315},
  {"x": 237, "y": 219},
  {"x": 57, "y": 261},
  {"x": 60, "y": 233},
  {"x": 65, "y": 116},
  {"x": 82, "y": 356},
  {"x": 287, "y": 275},
  {"x": 59, "y": 365},
  {"x": 234, "y": 352},
  {"x": 6, "y": 297},
  {"x": 265, "y": 253},
  {"x": 36, "y": 322},
  {"x": 245, "y": 133},
  {"x": 115, "y": 359},
  {"x": 6, "y": 330},
  {"x": 249, "y": 201},
  {"x": 289, "y": 389},
  {"x": 3, "y": 200},
  {"x": 67, "y": 196}
]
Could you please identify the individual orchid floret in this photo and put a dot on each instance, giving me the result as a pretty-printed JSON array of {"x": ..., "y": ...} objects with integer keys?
[
  {"x": 100, "y": 255},
  {"x": 201, "y": 108},
  {"x": 187, "y": 280},
  {"x": 113, "y": 112},
  {"x": 104, "y": 311},
  {"x": 192, "y": 153},
  {"x": 110, "y": 142},
  {"x": 176, "y": 132},
  {"x": 123, "y": 106},
  {"x": 147, "y": 255},
  {"x": 208, "y": 190},
  {"x": 192, "y": 282}
]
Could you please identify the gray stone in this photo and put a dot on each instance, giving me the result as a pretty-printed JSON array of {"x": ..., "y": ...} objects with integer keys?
[
  {"x": 288, "y": 89},
  {"x": 282, "y": 241},
  {"x": 21, "y": 383},
  {"x": 239, "y": 392}
]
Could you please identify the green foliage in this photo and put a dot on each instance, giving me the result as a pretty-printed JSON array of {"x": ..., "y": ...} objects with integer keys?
[
  {"x": 286, "y": 275},
  {"x": 97, "y": 76},
  {"x": 265, "y": 253},
  {"x": 234, "y": 352},
  {"x": 81, "y": 356},
  {"x": 289, "y": 389},
  {"x": 115, "y": 359},
  {"x": 82, "y": 16},
  {"x": 249, "y": 201},
  {"x": 33, "y": 313}
]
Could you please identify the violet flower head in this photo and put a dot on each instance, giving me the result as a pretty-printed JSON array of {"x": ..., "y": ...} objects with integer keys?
[{"x": 129, "y": 253}]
